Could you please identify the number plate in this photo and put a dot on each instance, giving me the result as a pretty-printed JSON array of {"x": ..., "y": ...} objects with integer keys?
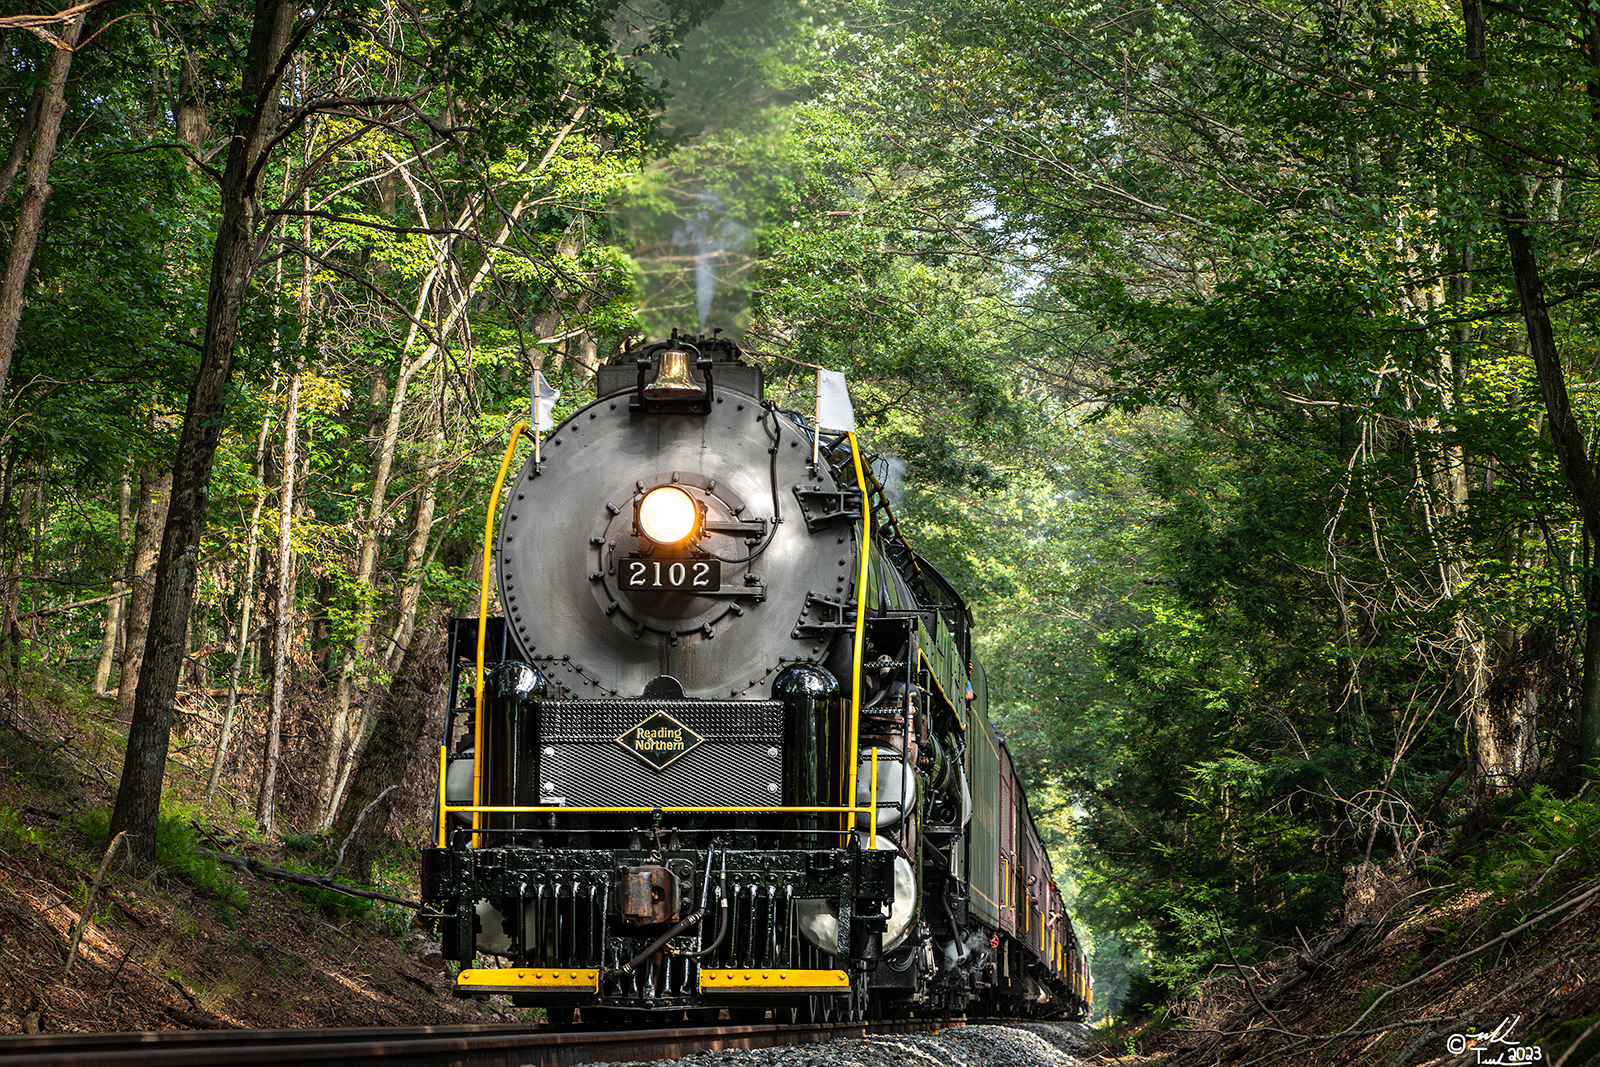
[{"x": 692, "y": 575}]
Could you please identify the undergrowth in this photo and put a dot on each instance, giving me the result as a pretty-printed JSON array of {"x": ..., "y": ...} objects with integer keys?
[
  {"x": 1546, "y": 839},
  {"x": 181, "y": 853}
]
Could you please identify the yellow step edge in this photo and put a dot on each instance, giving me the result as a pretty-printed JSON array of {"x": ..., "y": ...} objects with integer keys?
[
  {"x": 496, "y": 979},
  {"x": 764, "y": 979}
]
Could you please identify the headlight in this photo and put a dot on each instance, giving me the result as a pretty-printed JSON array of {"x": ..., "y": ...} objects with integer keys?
[{"x": 667, "y": 515}]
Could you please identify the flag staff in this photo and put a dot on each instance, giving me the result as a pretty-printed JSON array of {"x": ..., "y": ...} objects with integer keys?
[
  {"x": 833, "y": 394},
  {"x": 537, "y": 428},
  {"x": 816, "y": 427}
]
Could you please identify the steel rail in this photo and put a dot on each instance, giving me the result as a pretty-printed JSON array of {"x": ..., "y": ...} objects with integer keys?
[{"x": 424, "y": 1046}]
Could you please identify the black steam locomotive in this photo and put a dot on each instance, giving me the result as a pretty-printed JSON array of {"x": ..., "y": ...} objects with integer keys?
[{"x": 726, "y": 750}]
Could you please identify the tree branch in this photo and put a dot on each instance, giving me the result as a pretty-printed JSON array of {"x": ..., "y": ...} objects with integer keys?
[
  {"x": 316, "y": 881},
  {"x": 339, "y": 860}
]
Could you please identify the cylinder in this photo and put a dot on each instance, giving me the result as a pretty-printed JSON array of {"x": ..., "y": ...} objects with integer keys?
[
  {"x": 813, "y": 773},
  {"x": 513, "y": 694}
]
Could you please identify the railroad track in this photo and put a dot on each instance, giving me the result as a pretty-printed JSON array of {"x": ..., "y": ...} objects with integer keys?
[{"x": 423, "y": 1046}]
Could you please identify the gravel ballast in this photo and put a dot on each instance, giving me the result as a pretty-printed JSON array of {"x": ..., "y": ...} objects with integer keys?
[{"x": 1013, "y": 1045}]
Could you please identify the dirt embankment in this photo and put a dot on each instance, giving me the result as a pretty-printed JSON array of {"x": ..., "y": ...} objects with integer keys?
[
  {"x": 201, "y": 945},
  {"x": 1436, "y": 975}
]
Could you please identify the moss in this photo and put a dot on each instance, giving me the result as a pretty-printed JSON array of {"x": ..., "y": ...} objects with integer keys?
[{"x": 1564, "y": 1041}]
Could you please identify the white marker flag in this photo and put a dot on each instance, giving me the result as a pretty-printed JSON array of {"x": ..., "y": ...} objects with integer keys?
[
  {"x": 544, "y": 402},
  {"x": 833, "y": 402}
]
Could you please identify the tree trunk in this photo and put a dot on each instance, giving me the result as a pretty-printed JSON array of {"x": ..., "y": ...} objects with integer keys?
[
  {"x": 410, "y": 594},
  {"x": 30, "y": 216},
  {"x": 247, "y": 602},
  {"x": 1566, "y": 434},
  {"x": 233, "y": 261},
  {"x": 25, "y": 495},
  {"x": 188, "y": 111},
  {"x": 1572, "y": 450},
  {"x": 402, "y": 714},
  {"x": 155, "y": 495},
  {"x": 113, "y": 624},
  {"x": 416, "y": 553},
  {"x": 265, "y": 812},
  {"x": 1589, "y": 696},
  {"x": 19, "y": 143}
]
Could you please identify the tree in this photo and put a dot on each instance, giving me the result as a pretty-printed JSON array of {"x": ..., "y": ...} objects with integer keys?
[
  {"x": 404, "y": 711},
  {"x": 233, "y": 262},
  {"x": 549, "y": 74},
  {"x": 1282, "y": 228},
  {"x": 51, "y": 105},
  {"x": 1498, "y": 81}
]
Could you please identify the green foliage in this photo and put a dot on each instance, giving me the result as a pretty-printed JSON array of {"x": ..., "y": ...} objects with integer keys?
[
  {"x": 1264, "y": 247},
  {"x": 181, "y": 852},
  {"x": 1549, "y": 838},
  {"x": 536, "y": 60},
  {"x": 314, "y": 854}
]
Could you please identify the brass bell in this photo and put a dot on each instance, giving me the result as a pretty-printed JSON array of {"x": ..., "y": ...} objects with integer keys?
[{"x": 673, "y": 380}]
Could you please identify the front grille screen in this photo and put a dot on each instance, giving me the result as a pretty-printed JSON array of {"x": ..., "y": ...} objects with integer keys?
[{"x": 723, "y": 753}]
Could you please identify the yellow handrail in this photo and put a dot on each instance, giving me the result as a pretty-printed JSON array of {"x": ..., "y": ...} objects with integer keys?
[
  {"x": 543, "y": 809},
  {"x": 861, "y": 614},
  {"x": 444, "y": 769},
  {"x": 483, "y": 630}
]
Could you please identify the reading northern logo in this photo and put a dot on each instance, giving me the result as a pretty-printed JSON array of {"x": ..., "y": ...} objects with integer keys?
[
  {"x": 1496, "y": 1046},
  {"x": 659, "y": 740}
]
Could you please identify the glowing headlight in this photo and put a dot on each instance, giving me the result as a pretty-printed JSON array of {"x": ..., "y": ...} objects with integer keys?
[{"x": 667, "y": 515}]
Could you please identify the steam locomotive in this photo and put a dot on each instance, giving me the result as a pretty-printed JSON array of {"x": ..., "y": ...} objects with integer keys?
[{"x": 726, "y": 750}]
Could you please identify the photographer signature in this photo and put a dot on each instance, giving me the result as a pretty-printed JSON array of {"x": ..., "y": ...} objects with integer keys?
[{"x": 1511, "y": 1054}]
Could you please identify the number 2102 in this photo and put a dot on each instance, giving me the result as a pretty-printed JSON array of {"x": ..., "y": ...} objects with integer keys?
[{"x": 668, "y": 574}]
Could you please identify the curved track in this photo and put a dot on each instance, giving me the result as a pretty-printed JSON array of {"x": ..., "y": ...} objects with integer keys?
[{"x": 456, "y": 1046}]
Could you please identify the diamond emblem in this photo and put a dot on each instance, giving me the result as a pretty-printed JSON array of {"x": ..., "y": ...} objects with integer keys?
[{"x": 659, "y": 740}]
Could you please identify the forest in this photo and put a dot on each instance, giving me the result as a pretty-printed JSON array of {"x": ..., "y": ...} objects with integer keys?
[{"x": 1238, "y": 358}]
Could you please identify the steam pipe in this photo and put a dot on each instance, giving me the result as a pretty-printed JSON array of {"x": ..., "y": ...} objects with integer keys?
[
  {"x": 723, "y": 924},
  {"x": 955, "y": 931}
]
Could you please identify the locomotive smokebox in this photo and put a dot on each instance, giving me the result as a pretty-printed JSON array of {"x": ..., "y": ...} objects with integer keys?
[{"x": 646, "y": 542}]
